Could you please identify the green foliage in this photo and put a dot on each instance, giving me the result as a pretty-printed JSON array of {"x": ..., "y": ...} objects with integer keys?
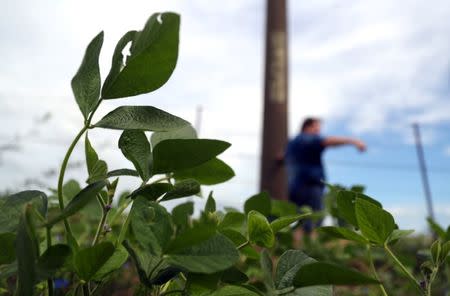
[
  {"x": 322, "y": 273},
  {"x": 136, "y": 148},
  {"x": 145, "y": 118},
  {"x": 87, "y": 262},
  {"x": 259, "y": 230},
  {"x": 152, "y": 59},
  {"x": 86, "y": 83},
  {"x": 12, "y": 208},
  {"x": 109, "y": 235},
  {"x": 172, "y": 155},
  {"x": 258, "y": 202}
]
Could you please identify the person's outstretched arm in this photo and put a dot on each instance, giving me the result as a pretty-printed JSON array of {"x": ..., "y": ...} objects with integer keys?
[{"x": 340, "y": 141}]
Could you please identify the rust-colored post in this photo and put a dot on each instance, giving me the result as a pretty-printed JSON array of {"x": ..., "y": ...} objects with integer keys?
[{"x": 273, "y": 175}]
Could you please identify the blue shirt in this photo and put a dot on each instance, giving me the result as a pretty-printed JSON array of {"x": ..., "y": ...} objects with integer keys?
[{"x": 304, "y": 161}]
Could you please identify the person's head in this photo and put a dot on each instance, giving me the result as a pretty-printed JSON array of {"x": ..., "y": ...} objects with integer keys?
[{"x": 311, "y": 125}]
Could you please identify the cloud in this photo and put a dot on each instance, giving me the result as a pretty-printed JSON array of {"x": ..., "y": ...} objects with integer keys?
[{"x": 370, "y": 66}]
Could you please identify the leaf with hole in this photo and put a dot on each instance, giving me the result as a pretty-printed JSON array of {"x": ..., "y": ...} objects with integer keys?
[{"x": 152, "y": 59}]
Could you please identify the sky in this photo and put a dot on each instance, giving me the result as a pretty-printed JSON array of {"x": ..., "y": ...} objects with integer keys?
[{"x": 369, "y": 69}]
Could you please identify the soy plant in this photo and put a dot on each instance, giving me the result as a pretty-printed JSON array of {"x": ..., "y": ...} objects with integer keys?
[
  {"x": 172, "y": 253},
  {"x": 371, "y": 226}
]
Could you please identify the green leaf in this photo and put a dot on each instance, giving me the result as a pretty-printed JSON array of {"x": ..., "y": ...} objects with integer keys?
[
  {"x": 288, "y": 265},
  {"x": 445, "y": 250},
  {"x": 118, "y": 258},
  {"x": 322, "y": 273},
  {"x": 346, "y": 205},
  {"x": 375, "y": 223},
  {"x": 233, "y": 220},
  {"x": 436, "y": 228},
  {"x": 259, "y": 202},
  {"x": 99, "y": 172},
  {"x": 7, "y": 251},
  {"x": 191, "y": 237},
  {"x": 136, "y": 148},
  {"x": 173, "y": 155},
  {"x": 234, "y": 291},
  {"x": 234, "y": 276},
  {"x": 86, "y": 82},
  {"x": 52, "y": 260},
  {"x": 215, "y": 254},
  {"x": 285, "y": 221},
  {"x": 435, "y": 251},
  {"x": 91, "y": 155},
  {"x": 152, "y": 191},
  {"x": 27, "y": 251},
  {"x": 181, "y": 214},
  {"x": 117, "y": 63},
  {"x": 210, "y": 205},
  {"x": 70, "y": 189},
  {"x": 212, "y": 172},
  {"x": 182, "y": 189},
  {"x": 89, "y": 260},
  {"x": 343, "y": 233},
  {"x": 398, "y": 234},
  {"x": 145, "y": 118},
  {"x": 12, "y": 208},
  {"x": 122, "y": 172},
  {"x": 79, "y": 201},
  {"x": 280, "y": 208},
  {"x": 153, "y": 57},
  {"x": 151, "y": 225},
  {"x": 185, "y": 132},
  {"x": 259, "y": 230}
]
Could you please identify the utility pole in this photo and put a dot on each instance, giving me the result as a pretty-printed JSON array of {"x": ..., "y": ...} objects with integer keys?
[
  {"x": 273, "y": 175},
  {"x": 423, "y": 170}
]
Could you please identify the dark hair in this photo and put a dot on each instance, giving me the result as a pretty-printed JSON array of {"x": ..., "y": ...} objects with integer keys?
[{"x": 308, "y": 122}]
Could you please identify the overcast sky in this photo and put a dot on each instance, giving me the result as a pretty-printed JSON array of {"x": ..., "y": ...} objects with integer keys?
[{"x": 368, "y": 68}]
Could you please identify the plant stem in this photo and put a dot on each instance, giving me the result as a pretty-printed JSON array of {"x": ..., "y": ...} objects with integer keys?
[
  {"x": 374, "y": 271},
  {"x": 154, "y": 268},
  {"x": 119, "y": 211},
  {"x": 49, "y": 244},
  {"x": 243, "y": 245},
  {"x": 160, "y": 179},
  {"x": 61, "y": 177},
  {"x": 102, "y": 220},
  {"x": 402, "y": 267},
  {"x": 430, "y": 282},
  {"x": 86, "y": 289}
]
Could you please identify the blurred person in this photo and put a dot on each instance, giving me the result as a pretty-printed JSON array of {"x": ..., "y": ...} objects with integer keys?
[{"x": 306, "y": 174}]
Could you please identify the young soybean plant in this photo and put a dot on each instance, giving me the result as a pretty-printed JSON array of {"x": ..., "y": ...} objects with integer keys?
[
  {"x": 171, "y": 252},
  {"x": 372, "y": 226}
]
